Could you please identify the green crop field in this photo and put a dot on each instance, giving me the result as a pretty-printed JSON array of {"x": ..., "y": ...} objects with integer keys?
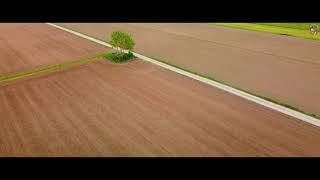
[
  {"x": 289, "y": 29},
  {"x": 302, "y": 26}
]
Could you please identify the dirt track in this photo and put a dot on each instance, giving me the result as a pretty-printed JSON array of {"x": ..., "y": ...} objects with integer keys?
[
  {"x": 139, "y": 109},
  {"x": 25, "y": 46},
  {"x": 281, "y": 67}
]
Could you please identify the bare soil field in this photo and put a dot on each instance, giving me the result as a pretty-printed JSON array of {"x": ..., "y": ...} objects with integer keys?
[
  {"x": 281, "y": 67},
  {"x": 25, "y": 46},
  {"x": 140, "y": 109}
]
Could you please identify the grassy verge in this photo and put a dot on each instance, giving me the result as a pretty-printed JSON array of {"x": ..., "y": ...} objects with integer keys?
[
  {"x": 251, "y": 93},
  {"x": 51, "y": 68},
  {"x": 119, "y": 58},
  {"x": 290, "y": 29}
]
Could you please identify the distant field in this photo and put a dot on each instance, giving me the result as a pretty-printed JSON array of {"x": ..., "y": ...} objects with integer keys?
[{"x": 291, "y": 29}]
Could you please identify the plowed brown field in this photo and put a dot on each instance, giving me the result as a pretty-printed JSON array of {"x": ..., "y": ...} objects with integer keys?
[
  {"x": 140, "y": 109},
  {"x": 25, "y": 46}
]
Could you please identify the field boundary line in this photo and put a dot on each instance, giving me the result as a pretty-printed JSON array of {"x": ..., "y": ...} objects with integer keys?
[
  {"x": 46, "y": 69},
  {"x": 247, "y": 96}
]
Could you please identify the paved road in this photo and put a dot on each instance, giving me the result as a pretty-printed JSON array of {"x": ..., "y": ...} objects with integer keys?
[{"x": 284, "y": 68}]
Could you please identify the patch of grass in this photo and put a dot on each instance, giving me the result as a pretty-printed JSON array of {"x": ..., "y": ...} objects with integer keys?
[
  {"x": 119, "y": 58},
  {"x": 51, "y": 68},
  {"x": 251, "y": 93},
  {"x": 290, "y": 29}
]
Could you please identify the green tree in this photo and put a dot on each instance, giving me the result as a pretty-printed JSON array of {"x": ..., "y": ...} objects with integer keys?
[{"x": 122, "y": 41}]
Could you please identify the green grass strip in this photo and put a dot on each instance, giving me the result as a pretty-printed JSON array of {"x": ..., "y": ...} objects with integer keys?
[
  {"x": 51, "y": 68},
  {"x": 302, "y": 26},
  {"x": 251, "y": 93},
  {"x": 290, "y": 29}
]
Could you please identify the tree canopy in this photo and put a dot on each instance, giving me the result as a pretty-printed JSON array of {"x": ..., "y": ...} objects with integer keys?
[{"x": 122, "y": 40}]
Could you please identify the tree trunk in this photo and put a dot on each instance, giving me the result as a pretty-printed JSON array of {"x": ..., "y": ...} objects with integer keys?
[{"x": 118, "y": 51}]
